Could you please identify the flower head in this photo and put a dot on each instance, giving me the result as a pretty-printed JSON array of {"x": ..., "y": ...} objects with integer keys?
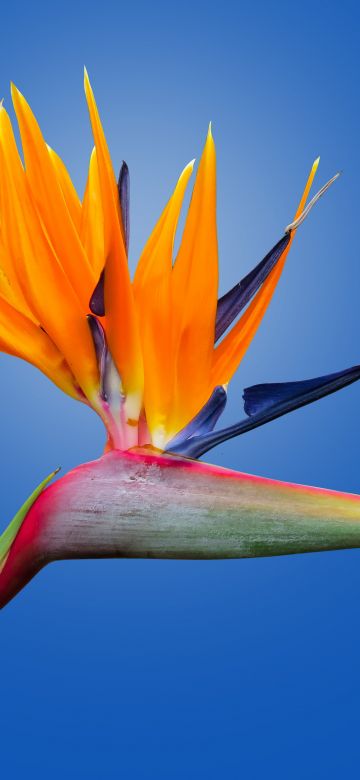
[{"x": 152, "y": 356}]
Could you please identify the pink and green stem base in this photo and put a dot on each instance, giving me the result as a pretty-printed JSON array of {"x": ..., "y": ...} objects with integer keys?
[{"x": 136, "y": 505}]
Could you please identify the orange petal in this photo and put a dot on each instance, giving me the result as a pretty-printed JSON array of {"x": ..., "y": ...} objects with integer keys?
[
  {"x": 152, "y": 289},
  {"x": 10, "y": 288},
  {"x": 121, "y": 322},
  {"x": 50, "y": 202},
  {"x": 21, "y": 337},
  {"x": 195, "y": 285},
  {"x": 38, "y": 272},
  {"x": 233, "y": 347}
]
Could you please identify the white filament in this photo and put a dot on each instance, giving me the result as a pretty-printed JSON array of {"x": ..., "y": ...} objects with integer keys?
[{"x": 303, "y": 215}]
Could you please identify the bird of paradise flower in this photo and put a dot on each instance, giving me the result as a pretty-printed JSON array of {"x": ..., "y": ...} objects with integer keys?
[{"x": 153, "y": 357}]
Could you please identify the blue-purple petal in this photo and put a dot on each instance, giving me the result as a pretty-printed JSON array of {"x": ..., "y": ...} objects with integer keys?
[
  {"x": 264, "y": 403},
  {"x": 204, "y": 421},
  {"x": 259, "y": 398},
  {"x": 97, "y": 300},
  {"x": 101, "y": 350},
  {"x": 235, "y": 300},
  {"x": 124, "y": 197}
]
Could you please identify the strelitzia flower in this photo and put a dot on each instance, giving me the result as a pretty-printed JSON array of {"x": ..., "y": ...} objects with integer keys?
[{"x": 153, "y": 357}]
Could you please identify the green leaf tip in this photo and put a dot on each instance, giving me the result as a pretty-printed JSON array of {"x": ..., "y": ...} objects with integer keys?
[{"x": 8, "y": 536}]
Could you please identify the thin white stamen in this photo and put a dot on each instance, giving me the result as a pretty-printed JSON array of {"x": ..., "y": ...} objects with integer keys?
[{"x": 294, "y": 225}]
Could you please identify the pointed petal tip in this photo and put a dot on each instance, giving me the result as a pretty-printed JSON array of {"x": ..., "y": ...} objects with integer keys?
[
  {"x": 15, "y": 92},
  {"x": 209, "y": 146},
  {"x": 210, "y": 137},
  {"x": 87, "y": 85},
  {"x": 189, "y": 167},
  {"x": 19, "y": 101}
]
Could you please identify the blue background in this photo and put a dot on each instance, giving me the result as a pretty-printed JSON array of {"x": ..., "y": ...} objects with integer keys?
[{"x": 154, "y": 670}]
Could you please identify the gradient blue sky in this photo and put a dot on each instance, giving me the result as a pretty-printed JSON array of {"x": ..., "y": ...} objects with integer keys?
[{"x": 164, "y": 670}]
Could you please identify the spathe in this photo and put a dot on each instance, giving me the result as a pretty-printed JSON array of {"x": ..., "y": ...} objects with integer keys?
[{"x": 136, "y": 505}]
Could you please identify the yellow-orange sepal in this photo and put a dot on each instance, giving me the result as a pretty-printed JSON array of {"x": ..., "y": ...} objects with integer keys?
[
  {"x": 231, "y": 350},
  {"x": 121, "y": 323}
]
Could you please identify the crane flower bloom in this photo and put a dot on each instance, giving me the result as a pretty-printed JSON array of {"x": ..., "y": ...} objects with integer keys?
[{"x": 153, "y": 356}]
